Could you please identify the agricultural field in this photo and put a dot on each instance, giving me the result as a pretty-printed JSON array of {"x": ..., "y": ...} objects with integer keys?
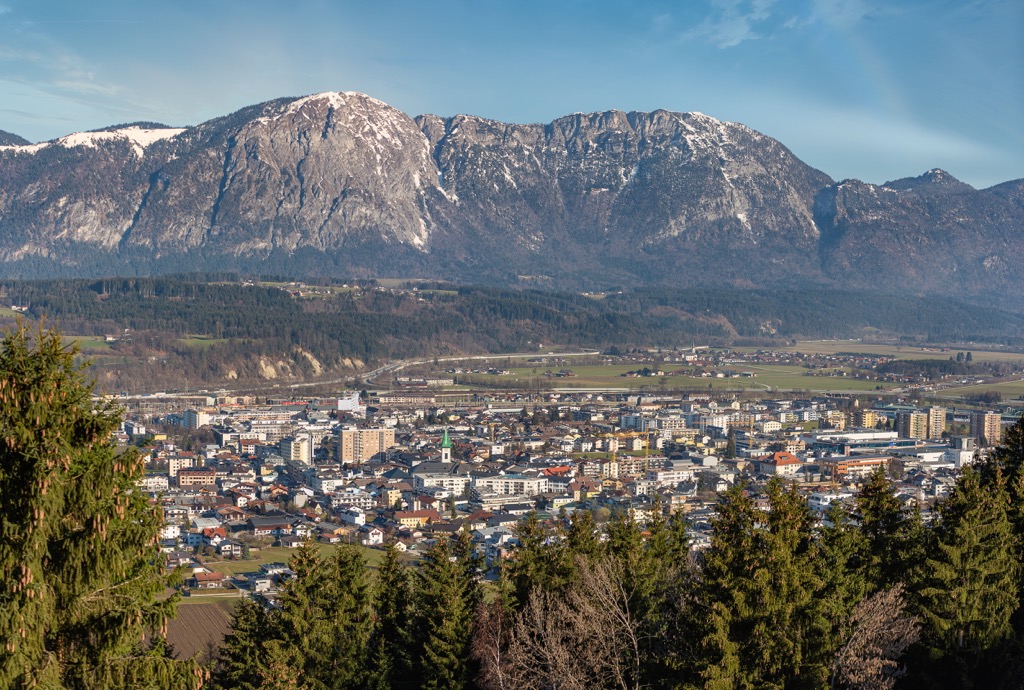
[
  {"x": 201, "y": 341},
  {"x": 831, "y": 347},
  {"x": 88, "y": 344},
  {"x": 778, "y": 377},
  {"x": 200, "y": 626},
  {"x": 204, "y": 617},
  {"x": 1009, "y": 389},
  {"x": 278, "y": 554}
]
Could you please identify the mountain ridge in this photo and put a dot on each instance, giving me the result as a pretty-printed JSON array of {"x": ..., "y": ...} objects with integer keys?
[{"x": 340, "y": 183}]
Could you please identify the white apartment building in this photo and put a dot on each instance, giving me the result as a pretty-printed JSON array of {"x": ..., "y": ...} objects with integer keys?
[{"x": 510, "y": 485}]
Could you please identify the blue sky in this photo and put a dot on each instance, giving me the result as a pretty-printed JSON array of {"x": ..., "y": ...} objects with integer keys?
[{"x": 857, "y": 88}]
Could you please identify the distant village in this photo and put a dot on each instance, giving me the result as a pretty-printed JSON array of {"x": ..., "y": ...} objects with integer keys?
[{"x": 411, "y": 466}]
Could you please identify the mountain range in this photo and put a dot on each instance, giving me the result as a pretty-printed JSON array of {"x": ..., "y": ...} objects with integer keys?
[{"x": 342, "y": 184}]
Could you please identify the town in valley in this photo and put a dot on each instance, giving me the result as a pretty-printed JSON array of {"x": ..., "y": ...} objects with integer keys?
[{"x": 244, "y": 479}]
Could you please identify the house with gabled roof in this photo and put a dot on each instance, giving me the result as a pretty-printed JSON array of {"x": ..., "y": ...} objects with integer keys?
[
  {"x": 207, "y": 580},
  {"x": 416, "y": 518},
  {"x": 780, "y": 464}
]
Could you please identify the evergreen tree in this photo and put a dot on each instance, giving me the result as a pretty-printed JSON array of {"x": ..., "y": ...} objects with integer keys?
[
  {"x": 444, "y": 623},
  {"x": 347, "y": 606},
  {"x": 970, "y": 593},
  {"x": 81, "y": 580},
  {"x": 304, "y": 625},
  {"x": 839, "y": 552},
  {"x": 326, "y": 614},
  {"x": 539, "y": 560},
  {"x": 764, "y": 615},
  {"x": 242, "y": 656},
  {"x": 1007, "y": 461},
  {"x": 661, "y": 597},
  {"x": 581, "y": 536},
  {"x": 884, "y": 528},
  {"x": 667, "y": 542},
  {"x": 471, "y": 563},
  {"x": 392, "y": 640},
  {"x": 625, "y": 542},
  {"x": 281, "y": 668}
]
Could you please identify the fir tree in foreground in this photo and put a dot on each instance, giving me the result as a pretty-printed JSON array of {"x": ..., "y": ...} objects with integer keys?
[
  {"x": 392, "y": 641},
  {"x": 765, "y": 595},
  {"x": 445, "y": 600},
  {"x": 970, "y": 593},
  {"x": 243, "y": 654},
  {"x": 81, "y": 579}
]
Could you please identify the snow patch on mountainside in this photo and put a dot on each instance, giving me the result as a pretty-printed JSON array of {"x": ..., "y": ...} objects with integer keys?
[
  {"x": 31, "y": 148},
  {"x": 138, "y": 137}
]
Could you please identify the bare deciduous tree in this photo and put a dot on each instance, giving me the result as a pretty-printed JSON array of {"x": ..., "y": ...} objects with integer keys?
[
  {"x": 881, "y": 631},
  {"x": 586, "y": 639}
]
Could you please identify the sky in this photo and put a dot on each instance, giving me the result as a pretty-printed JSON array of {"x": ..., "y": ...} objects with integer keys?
[{"x": 860, "y": 89}]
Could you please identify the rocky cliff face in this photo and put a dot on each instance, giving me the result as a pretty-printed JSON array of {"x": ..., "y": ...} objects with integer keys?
[
  {"x": 311, "y": 173},
  {"x": 625, "y": 192},
  {"x": 343, "y": 184},
  {"x": 931, "y": 233}
]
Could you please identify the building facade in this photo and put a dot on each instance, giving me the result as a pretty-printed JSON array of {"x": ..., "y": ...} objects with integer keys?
[
  {"x": 360, "y": 445},
  {"x": 912, "y": 424},
  {"x": 987, "y": 428}
]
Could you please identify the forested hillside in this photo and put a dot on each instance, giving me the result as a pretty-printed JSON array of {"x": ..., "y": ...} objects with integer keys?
[{"x": 221, "y": 330}]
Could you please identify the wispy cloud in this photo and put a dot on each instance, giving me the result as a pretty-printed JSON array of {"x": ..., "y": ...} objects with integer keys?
[
  {"x": 732, "y": 22},
  {"x": 842, "y": 13},
  {"x": 661, "y": 22},
  {"x": 838, "y": 14},
  {"x": 35, "y": 56}
]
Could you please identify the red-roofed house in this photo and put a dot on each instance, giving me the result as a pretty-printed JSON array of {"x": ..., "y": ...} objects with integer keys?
[
  {"x": 780, "y": 464},
  {"x": 206, "y": 580}
]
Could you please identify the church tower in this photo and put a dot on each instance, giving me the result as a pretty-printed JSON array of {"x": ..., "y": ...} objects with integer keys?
[{"x": 446, "y": 448}]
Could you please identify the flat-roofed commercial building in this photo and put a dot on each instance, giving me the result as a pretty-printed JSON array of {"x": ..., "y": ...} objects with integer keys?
[{"x": 838, "y": 468}]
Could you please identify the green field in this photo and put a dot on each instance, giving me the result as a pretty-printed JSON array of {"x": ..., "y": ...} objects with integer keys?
[
  {"x": 773, "y": 377},
  {"x": 201, "y": 341},
  {"x": 278, "y": 554},
  {"x": 225, "y": 598},
  {"x": 320, "y": 289},
  {"x": 88, "y": 344},
  {"x": 1009, "y": 389},
  {"x": 831, "y": 347}
]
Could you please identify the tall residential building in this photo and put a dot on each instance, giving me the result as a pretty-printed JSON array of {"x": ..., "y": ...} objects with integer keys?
[
  {"x": 987, "y": 427},
  {"x": 865, "y": 419},
  {"x": 912, "y": 424},
  {"x": 835, "y": 419},
  {"x": 936, "y": 421},
  {"x": 360, "y": 445},
  {"x": 179, "y": 462},
  {"x": 195, "y": 418},
  {"x": 297, "y": 448}
]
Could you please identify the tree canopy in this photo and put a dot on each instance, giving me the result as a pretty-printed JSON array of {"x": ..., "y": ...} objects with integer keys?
[{"x": 81, "y": 580}]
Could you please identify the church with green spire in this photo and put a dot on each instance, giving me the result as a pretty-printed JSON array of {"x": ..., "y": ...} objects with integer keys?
[{"x": 446, "y": 448}]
